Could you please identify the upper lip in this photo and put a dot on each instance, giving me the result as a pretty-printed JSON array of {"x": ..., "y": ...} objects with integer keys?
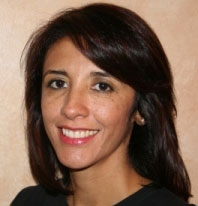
[
  {"x": 78, "y": 132},
  {"x": 76, "y": 128}
]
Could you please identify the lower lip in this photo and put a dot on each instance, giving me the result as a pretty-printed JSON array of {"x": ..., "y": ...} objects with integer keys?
[{"x": 75, "y": 141}]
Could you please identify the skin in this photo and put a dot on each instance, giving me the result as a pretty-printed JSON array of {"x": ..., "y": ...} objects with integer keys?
[{"x": 77, "y": 95}]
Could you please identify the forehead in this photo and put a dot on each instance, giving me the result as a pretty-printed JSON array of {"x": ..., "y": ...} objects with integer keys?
[
  {"x": 63, "y": 54},
  {"x": 61, "y": 49}
]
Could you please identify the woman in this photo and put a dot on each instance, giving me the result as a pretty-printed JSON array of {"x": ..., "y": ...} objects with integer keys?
[{"x": 100, "y": 113}]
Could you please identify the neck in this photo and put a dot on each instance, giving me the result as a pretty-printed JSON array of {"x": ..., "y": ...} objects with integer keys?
[{"x": 104, "y": 184}]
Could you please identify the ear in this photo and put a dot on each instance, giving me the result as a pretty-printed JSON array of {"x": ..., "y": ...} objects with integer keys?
[{"x": 139, "y": 119}]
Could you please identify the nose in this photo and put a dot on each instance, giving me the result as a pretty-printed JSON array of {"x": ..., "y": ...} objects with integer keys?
[{"x": 75, "y": 104}]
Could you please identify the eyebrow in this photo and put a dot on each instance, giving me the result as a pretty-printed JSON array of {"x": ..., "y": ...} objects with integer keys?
[
  {"x": 100, "y": 74},
  {"x": 64, "y": 73},
  {"x": 58, "y": 72}
]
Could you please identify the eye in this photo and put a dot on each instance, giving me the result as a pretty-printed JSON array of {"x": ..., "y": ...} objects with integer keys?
[
  {"x": 102, "y": 86},
  {"x": 57, "y": 84}
]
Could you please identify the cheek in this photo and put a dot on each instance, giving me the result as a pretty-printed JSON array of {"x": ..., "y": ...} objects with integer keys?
[
  {"x": 112, "y": 113},
  {"x": 49, "y": 108},
  {"x": 49, "y": 113}
]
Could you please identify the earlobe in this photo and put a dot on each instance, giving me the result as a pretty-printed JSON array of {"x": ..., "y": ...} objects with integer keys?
[{"x": 139, "y": 119}]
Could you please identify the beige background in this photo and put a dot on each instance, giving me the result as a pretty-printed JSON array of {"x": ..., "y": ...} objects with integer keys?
[{"x": 175, "y": 22}]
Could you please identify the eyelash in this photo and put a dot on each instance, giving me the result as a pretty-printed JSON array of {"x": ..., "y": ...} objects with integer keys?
[
  {"x": 53, "y": 84},
  {"x": 62, "y": 84},
  {"x": 106, "y": 87}
]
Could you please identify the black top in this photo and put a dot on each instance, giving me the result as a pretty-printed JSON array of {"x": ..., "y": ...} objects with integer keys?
[{"x": 147, "y": 196}]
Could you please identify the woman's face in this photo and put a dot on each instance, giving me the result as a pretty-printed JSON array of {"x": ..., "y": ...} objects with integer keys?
[{"x": 86, "y": 111}]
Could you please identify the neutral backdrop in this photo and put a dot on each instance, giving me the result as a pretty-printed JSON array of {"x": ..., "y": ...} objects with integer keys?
[{"x": 176, "y": 24}]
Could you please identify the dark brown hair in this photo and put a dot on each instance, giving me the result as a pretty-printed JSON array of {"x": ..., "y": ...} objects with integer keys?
[{"x": 118, "y": 41}]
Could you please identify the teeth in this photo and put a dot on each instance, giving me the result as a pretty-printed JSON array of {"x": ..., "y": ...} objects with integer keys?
[{"x": 79, "y": 133}]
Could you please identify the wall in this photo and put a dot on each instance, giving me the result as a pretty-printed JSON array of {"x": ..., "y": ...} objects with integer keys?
[{"x": 175, "y": 22}]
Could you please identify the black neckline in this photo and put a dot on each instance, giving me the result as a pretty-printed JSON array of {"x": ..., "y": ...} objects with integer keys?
[
  {"x": 138, "y": 196},
  {"x": 135, "y": 197}
]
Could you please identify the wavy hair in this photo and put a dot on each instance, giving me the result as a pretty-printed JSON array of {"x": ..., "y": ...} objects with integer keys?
[{"x": 120, "y": 42}]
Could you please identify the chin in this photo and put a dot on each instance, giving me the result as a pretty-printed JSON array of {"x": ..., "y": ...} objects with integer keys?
[
  {"x": 74, "y": 163},
  {"x": 76, "y": 166}
]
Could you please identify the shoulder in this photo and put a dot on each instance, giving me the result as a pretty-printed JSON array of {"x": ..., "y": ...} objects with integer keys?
[
  {"x": 164, "y": 197},
  {"x": 37, "y": 195},
  {"x": 29, "y": 196},
  {"x": 153, "y": 196}
]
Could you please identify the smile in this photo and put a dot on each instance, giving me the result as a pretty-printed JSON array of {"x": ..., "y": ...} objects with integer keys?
[{"x": 78, "y": 133}]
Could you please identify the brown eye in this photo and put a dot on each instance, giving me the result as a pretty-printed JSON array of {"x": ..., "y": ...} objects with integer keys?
[
  {"x": 57, "y": 84},
  {"x": 102, "y": 86}
]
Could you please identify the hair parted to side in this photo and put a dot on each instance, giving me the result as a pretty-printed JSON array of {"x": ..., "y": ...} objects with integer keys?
[{"x": 118, "y": 41}]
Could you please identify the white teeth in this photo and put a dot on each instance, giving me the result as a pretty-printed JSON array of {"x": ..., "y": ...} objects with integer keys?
[
  {"x": 70, "y": 133},
  {"x": 79, "y": 133}
]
